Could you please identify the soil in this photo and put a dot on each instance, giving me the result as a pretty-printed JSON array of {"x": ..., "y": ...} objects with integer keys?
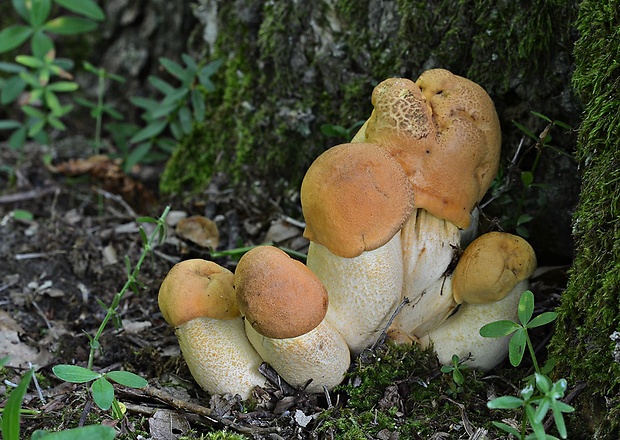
[{"x": 67, "y": 228}]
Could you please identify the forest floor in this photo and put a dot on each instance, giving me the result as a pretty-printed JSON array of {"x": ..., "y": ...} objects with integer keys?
[{"x": 67, "y": 227}]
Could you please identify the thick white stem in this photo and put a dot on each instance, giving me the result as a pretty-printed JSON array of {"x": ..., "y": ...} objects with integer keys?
[
  {"x": 460, "y": 333},
  {"x": 321, "y": 355},
  {"x": 363, "y": 291},
  {"x": 220, "y": 356},
  {"x": 429, "y": 245}
]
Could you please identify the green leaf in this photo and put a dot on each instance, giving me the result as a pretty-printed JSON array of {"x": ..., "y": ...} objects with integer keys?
[
  {"x": 540, "y": 115},
  {"x": 109, "y": 110},
  {"x": 103, "y": 393},
  {"x": 192, "y": 67},
  {"x": 145, "y": 103},
  {"x": 18, "y": 138},
  {"x": 161, "y": 85},
  {"x": 516, "y": 347},
  {"x": 10, "y": 67},
  {"x": 525, "y": 130},
  {"x": 14, "y": 36},
  {"x": 334, "y": 131},
  {"x": 527, "y": 178},
  {"x": 136, "y": 156},
  {"x": 198, "y": 104},
  {"x": 70, "y": 25},
  {"x": 63, "y": 86},
  {"x": 33, "y": 112},
  {"x": 41, "y": 44},
  {"x": 542, "y": 319},
  {"x": 505, "y": 402},
  {"x": 499, "y": 329},
  {"x": 9, "y": 124},
  {"x": 87, "y": 8},
  {"x": 21, "y": 8},
  {"x": 39, "y": 12},
  {"x": 150, "y": 131},
  {"x": 91, "y": 432},
  {"x": 175, "y": 69},
  {"x": 563, "y": 125},
  {"x": 127, "y": 378},
  {"x": 13, "y": 87},
  {"x": 524, "y": 218},
  {"x": 30, "y": 61},
  {"x": 74, "y": 373},
  {"x": 175, "y": 97},
  {"x": 526, "y": 307},
  {"x": 185, "y": 118},
  {"x": 12, "y": 409},
  {"x": 164, "y": 109},
  {"x": 22, "y": 214},
  {"x": 507, "y": 428}
]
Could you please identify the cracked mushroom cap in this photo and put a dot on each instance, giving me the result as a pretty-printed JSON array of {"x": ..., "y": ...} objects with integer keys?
[
  {"x": 197, "y": 288},
  {"x": 279, "y": 296},
  {"x": 444, "y": 131},
  {"x": 491, "y": 266},
  {"x": 355, "y": 197}
]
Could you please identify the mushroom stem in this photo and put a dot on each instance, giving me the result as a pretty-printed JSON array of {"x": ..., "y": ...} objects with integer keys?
[
  {"x": 429, "y": 246},
  {"x": 220, "y": 356},
  {"x": 460, "y": 335},
  {"x": 363, "y": 291},
  {"x": 320, "y": 355}
]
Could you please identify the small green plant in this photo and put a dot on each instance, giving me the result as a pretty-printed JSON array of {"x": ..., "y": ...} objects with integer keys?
[
  {"x": 101, "y": 388},
  {"x": 100, "y": 109},
  {"x": 456, "y": 368},
  {"x": 177, "y": 110},
  {"x": 11, "y": 416},
  {"x": 32, "y": 76},
  {"x": 540, "y": 393},
  {"x": 338, "y": 131}
]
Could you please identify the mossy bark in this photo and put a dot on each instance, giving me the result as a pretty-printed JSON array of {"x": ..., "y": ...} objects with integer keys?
[
  {"x": 584, "y": 344},
  {"x": 292, "y": 66}
]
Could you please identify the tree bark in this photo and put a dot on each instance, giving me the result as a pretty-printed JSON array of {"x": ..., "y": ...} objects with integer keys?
[
  {"x": 586, "y": 343},
  {"x": 292, "y": 66}
]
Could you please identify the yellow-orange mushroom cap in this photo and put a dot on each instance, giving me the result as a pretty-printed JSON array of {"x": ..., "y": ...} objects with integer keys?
[
  {"x": 444, "y": 131},
  {"x": 491, "y": 266},
  {"x": 197, "y": 288},
  {"x": 279, "y": 296},
  {"x": 355, "y": 197}
]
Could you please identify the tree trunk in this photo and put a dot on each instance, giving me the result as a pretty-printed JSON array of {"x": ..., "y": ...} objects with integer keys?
[
  {"x": 292, "y": 66},
  {"x": 587, "y": 343}
]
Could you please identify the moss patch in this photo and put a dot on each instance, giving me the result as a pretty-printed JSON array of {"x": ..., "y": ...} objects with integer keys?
[{"x": 590, "y": 310}]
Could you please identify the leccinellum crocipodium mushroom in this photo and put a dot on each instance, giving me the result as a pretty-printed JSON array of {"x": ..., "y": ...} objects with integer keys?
[
  {"x": 284, "y": 305},
  {"x": 444, "y": 131},
  {"x": 198, "y": 298},
  {"x": 355, "y": 199}
]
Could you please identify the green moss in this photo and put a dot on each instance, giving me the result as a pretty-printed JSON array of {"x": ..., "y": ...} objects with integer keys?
[
  {"x": 399, "y": 389},
  {"x": 590, "y": 310}
]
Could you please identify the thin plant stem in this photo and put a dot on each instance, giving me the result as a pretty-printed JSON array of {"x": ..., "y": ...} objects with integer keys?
[
  {"x": 530, "y": 347},
  {"x": 98, "y": 120},
  {"x": 131, "y": 280}
]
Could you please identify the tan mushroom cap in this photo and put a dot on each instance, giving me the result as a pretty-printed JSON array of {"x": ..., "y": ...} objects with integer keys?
[
  {"x": 491, "y": 266},
  {"x": 444, "y": 131},
  {"x": 355, "y": 197},
  {"x": 279, "y": 296},
  {"x": 197, "y": 288}
]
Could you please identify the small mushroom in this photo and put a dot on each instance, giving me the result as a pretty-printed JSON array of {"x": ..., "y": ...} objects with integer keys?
[
  {"x": 459, "y": 334},
  {"x": 284, "y": 305},
  {"x": 355, "y": 199},
  {"x": 198, "y": 298},
  {"x": 491, "y": 266}
]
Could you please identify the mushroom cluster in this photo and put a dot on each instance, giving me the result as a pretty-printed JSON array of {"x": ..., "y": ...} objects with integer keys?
[{"x": 393, "y": 224}]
